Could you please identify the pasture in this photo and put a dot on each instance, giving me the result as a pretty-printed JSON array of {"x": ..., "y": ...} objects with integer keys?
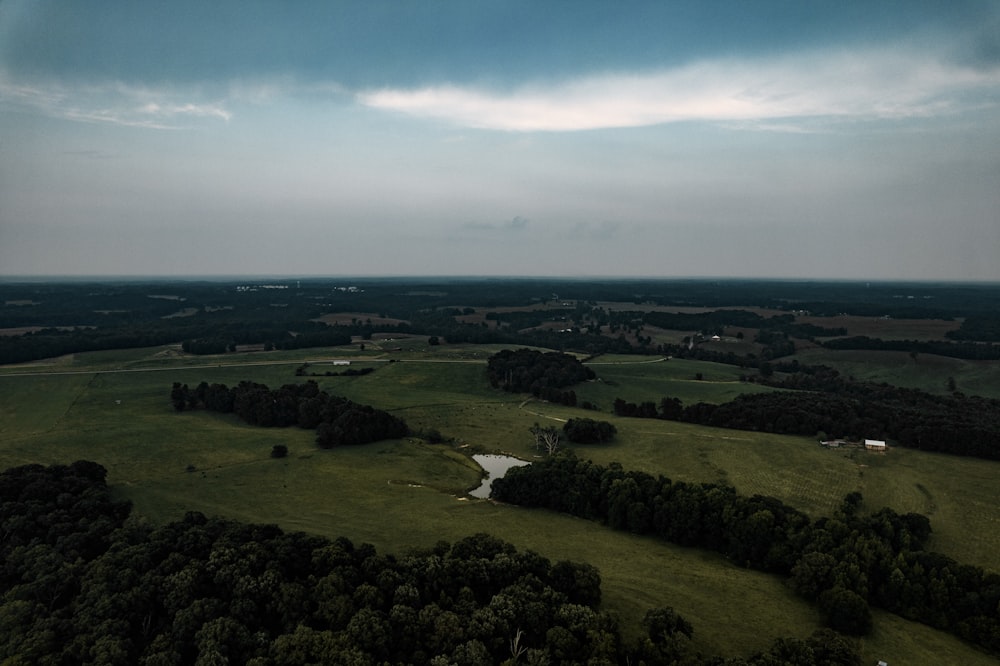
[
  {"x": 402, "y": 494},
  {"x": 639, "y": 379},
  {"x": 886, "y": 328},
  {"x": 928, "y": 372}
]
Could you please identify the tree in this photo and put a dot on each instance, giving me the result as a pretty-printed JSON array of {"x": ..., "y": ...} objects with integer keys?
[
  {"x": 589, "y": 431},
  {"x": 546, "y": 439},
  {"x": 279, "y": 451},
  {"x": 668, "y": 637},
  {"x": 845, "y": 611},
  {"x": 813, "y": 574}
]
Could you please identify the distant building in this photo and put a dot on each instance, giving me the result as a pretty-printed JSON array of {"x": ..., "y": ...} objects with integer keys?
[
  {"x": 341, "y": 362},
  {"x": 875, "y": 445}
]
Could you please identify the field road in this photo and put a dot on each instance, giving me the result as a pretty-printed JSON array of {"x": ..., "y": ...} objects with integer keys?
[{"x": 173, "y": 368}]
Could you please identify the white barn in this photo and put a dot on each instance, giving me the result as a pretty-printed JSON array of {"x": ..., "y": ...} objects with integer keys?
[{"x": 875, "y": 445}]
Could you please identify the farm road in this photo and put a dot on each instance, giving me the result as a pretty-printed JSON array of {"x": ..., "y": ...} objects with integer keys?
[{"x": 174, "y": 368}]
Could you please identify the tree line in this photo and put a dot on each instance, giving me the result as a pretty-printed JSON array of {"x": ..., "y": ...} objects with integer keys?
[
  {"x": 973, "y": 351},
  {"x": 220, "y": 342},
  {"x": 82, "y": 583},
  {"x": 337, "y": 420},
  {"x": 844, "y": 562},
  {"x": 824, "y": 402}
]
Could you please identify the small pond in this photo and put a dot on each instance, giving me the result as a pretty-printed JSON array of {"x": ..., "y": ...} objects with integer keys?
[{"x": 496, "y": 466}]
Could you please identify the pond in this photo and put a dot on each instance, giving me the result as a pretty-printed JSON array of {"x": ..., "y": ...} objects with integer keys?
[{"x": 496, "y": 466}]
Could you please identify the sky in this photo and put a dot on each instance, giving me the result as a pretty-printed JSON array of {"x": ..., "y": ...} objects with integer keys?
[{"x": 771, "y": 138}]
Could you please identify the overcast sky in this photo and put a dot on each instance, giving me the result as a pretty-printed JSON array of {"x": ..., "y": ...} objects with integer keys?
[{"x": 748, "y": 138}]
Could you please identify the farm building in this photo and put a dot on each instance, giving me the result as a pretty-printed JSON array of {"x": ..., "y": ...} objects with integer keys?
[{"x": 875, "y": 445}]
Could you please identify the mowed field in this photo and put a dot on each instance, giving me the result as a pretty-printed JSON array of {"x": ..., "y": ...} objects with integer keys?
[{"x": 114, "y": 408}]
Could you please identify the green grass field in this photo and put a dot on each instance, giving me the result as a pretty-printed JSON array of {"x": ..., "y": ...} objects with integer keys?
[
  {"x": 928, "y": 372},
  {"x": 404, "y": 494},
  {"x": 638, "y": 379}
]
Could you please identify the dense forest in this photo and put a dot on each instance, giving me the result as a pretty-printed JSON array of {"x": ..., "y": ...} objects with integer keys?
[
  {"x": 84, "y": 584},
  {"x": 336, "y": 420},
  {"x": 843, "y": 563}
]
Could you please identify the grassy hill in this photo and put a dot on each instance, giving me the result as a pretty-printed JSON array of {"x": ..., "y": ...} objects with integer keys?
[
  {"x": 400, "y": 494},
  {"x": 927, "y": 372}
]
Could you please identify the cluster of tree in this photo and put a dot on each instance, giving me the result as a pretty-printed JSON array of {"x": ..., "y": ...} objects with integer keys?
[
  {"x": 83, "y": 584},
  {"x": 845, "y": 562},
  {"x": 337, "y": 420},
  {"x": 589, "y": 431},
  {"x": 642, "y": 410},
  {"x": 207, "y": 346},
  {"x": 51, "y": 342},
  {"x": 982, "y": 327},
  {"x": 776, "y": 344},
  {"x": 557, "y": 396},
  {"x": 203, "y": 333},
  {"x": 532, "y": 371},
  {"x": 956, "y": 424},
  {"x": 284, "y": 339}
]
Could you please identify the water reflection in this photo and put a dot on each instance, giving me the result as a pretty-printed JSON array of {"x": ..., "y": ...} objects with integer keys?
[{"x": 496, "y": 466}]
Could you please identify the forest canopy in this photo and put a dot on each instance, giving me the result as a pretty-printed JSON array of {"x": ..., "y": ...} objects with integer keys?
[
  {"x": 337, "y": 420},
  {"x": 84, "y": 584}
]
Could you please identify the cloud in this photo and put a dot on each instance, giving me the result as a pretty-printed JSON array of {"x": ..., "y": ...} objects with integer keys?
[
  {"x": 602, "y": 231},
  {"x": 516, "y": 224},
  {"x": 111, "y": 103},
  {"x": 90, "y": 154},
  {"x": 873, "y": 84}
]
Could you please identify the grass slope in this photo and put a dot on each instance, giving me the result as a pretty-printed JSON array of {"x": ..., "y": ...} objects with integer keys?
[
  {"x": 928, "y": 372},
  {"x": 403, "y": 494}
]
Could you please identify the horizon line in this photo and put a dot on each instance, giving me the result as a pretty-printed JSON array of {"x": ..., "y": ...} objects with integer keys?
[{"x": 211, "y": 277}]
